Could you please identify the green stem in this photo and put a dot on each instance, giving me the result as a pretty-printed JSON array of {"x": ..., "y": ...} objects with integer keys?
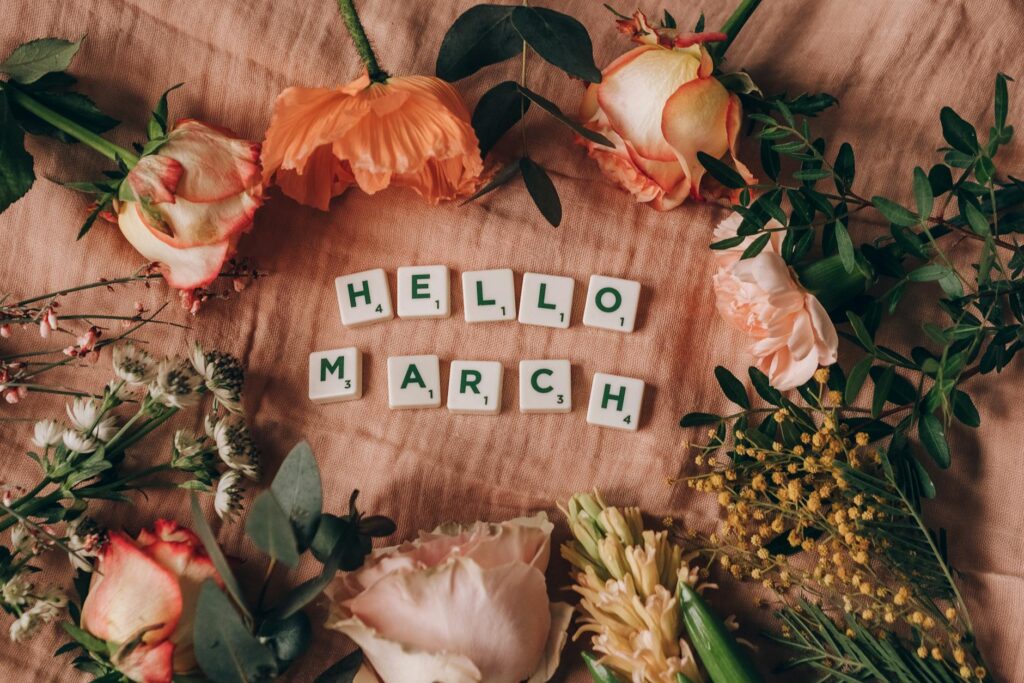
[
  {"x": 79, "y": 132},
  {"x": 733, "y": 25},
  {"x": 362, "y": 43}
]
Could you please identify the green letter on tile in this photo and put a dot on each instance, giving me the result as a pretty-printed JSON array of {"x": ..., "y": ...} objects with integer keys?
[
  {"x": 536, "y": 385},
  {"x": 619, "y": 398},
  {"x": 540, "y": 298},
  {"x": 329, "y": 368},
  {"x": 353, "y": 294},
  {"x": 480, "y": 300},
  {"x": 468, "y": 383},
  {"x": 420, "y": 286},
  {"x": 616, "y": 298},
  {"x": 413, "y": 376}
]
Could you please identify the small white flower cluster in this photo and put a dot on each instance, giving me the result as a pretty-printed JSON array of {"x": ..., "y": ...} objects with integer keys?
[
  {"x": 238, "y": 451},
  {"x": 33, "y": 608}
]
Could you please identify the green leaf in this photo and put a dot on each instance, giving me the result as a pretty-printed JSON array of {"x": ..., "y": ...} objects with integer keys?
[
  {"x": 763, "y": 387},
  {"x": 960, "y": 135},
  {"x": 559, "y": 39},
  {"x": 1002, "y": 99},
  {"x": 964, "y": 409},
  {"x": 732, "y": 387},
  {"x": 976, "y": 219},
  {"x": 481, "y": 36},
  {"x": 846, "y": 252},
  {"x": 541, "y": 190},
  {"x": 506, "y": 174},
  {"x": 224, "y": 648},
  {"x": 698, "y": 419},
  {"x": 728, "y": 242},
  {"x": 720, "y": 171},
  {"x": 845, "y": 168},
  {"x": 32, "y": 60},
  {"x": 599, "y": 673},
  {"x": 298, "y": 491},
  {"x": 895, "y": 213},
  {"x": 307, "y": 591},
  {"x": 157, "y": 125},
  {"x": 344, "y": 670},
  {"x": 16, "y": 174},
  {"x": 220, "y": 563},
  {"x": 498, "y": 110},
  {"x": 71, "y": 105},
  {"x": 287, "y": 638},
  {"x": 552, "y": 108},
  {"x": 668, "y": 21},
  {"x": 860, "y": 331},
  {"x": 922, "y": 194},
  {"x": 84, "y": 638},
  {"x": 270, "y": 528},
  {"x": 883, "y": 385},
  {"x": 933, "y": 437},
  {"x": 770, "y": 160},
  {"x": 855, "y": 381},
  {"x": 757, "y": 246},
  {"x": 812, "y": 174},
  {"x": 928, "y": 273}
]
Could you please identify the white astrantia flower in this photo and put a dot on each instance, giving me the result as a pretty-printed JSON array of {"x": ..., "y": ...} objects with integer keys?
[
  {"x": 16, "y": 590},
  {"x": 47, "y": 433},
  {"x": 223, "y": 375},
  {"x": 84, "y": 540},
  {"x": 106, "y": 429},
  {"x": 186, "y": 444},
  {"x": 133, "y": 365},
  {"x": 84, "y": 413},
  {"x": 177, "y": 384},
  {"x": 117, "y": 390},
  {"x": 42, "y": 612},
  {"x": 228, "y": 500},
  {"x": 235, "y": 444},
  {"x": 78, "y": 442}
]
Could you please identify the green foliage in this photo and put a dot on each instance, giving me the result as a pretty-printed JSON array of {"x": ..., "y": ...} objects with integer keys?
[
  {"x": 16, "y": 174},
  {"x": 344, "y": 670},
  {"x": 541, "y": 190},
  {"x": 32, "y": 60},
  {"x": 225, "y": 648},
  {"x": 297, "y": 489}
]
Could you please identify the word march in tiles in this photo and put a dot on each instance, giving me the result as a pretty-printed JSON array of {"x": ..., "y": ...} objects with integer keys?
[{"x": 475, "y": 386}]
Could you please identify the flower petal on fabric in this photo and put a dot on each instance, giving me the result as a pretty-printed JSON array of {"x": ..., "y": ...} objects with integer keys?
[
  {"x": 696, "y": 120},
  {"x": 185, "y": 268},
  {"x": 186, "y": 224},
  {"x": 499, "y": 617},
  {"x": 397, "y": 664},
  {"x": 148, "y": 664},
  {"x": 322, "y": 178},
  {"x": 217, "y": 162},
  {"x": 635, "y": 90},
  {"x": 130, "y": 594},
  {"x": 561, "y": 616}
]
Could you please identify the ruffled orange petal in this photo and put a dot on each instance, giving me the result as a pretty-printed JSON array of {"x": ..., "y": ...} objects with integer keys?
[{"x": 323, "y": 178}]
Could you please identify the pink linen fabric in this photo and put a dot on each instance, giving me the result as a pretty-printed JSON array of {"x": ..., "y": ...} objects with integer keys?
[{"x": 891, "y": 64}]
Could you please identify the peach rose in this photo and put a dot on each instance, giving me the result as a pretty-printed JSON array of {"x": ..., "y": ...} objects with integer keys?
[
  {"x": 193, "y": 200},
  {"x": 142, "y": 600},
  {"x": 790, "y": 330},
  {"x": 660, "y": 105},
  {"x": 408, "y": 131},
  {"x": 459, "y": 604}
]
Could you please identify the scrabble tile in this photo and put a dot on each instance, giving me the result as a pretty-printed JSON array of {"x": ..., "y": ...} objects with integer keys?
[
  {"x": 474, "y": 386},
  {"x": 489, "y": 295},
  {"x": 364, "y": 297},
  {"x": 545, "y": 386},
  {"x": 615, "y": 401},
  {"x": 414, "y": 382},
  {"x": 611, "y": 303},
  {"x": 424, "y": 292},
  {"x": 546, "y": 300},
  {"x": 335, "y": 375}
]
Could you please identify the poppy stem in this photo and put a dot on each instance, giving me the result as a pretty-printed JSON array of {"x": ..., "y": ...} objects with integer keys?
[
  {"x": 362, "y": 43},
  {"x": 77, "y": 131},
  {"x": 733, "y": 25}
]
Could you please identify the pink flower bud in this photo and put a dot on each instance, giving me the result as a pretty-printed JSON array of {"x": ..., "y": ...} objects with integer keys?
[
  {"x": 5, "y": 331},
  {"x": 51, "y": 317},
  {"x": 11, "y": 396},
  {"x": 44, "y": 328}
]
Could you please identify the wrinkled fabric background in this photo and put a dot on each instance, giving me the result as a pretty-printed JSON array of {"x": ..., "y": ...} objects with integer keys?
[{"x": 891, "y": 64}]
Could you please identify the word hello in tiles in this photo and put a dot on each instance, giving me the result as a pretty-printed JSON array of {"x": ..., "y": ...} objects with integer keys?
[{"x": 475, "y": 386}]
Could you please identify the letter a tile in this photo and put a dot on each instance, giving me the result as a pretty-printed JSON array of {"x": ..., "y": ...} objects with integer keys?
[{"x": 414, "y": 382}]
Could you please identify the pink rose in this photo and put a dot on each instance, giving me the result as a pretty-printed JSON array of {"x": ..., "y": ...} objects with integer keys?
[
  {"x": 194, "y": 199},
  {"x": 790, "y": 330},
  {"x": 660, "y": 105},
  {"x": 145, "y": 591},
  {"x": 459, "y": 604}
]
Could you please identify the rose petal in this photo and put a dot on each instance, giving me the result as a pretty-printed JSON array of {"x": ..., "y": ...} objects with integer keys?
[
  {"x": 561, "y": 615},
  {"x": 148, "y": 664},
  {"x": 130, "y": 594},
  {"x": 217, "y": 163},
  {"x": 156, "y": 178},
  {"x": 185, "y": 268},
  {"x": 497, "y": 617},
  {"x": 695, "y": 120}
]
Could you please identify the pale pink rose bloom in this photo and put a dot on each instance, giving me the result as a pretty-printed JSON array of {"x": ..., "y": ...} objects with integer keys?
[
  {"x": 660, "y": 104},
  {"x": 459, "y": 604},
  {"x": 201, "y": 191},
  {"x": 728, "y": 227},
  {"x": 791, "y": 333}
]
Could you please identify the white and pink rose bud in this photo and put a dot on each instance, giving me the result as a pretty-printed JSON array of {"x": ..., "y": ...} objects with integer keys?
[{"x": 193, "y": 200}]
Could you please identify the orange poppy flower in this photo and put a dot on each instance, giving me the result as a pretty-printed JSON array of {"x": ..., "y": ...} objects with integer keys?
[{"x": 407, "y": 131}]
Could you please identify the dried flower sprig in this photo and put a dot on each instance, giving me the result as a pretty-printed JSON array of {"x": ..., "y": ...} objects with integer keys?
[
  {"x": 21, "y": 372},
  {"x": 86, "y": 458},
  {"x": 818, "y": 513}
]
